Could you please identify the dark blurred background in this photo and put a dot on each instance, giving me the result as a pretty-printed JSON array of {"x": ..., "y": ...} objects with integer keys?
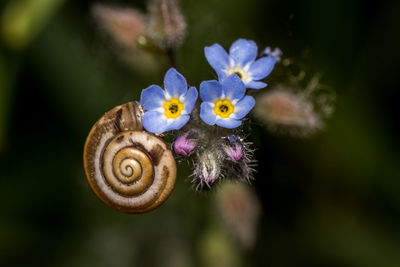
[{"x": 332, "y": 199}]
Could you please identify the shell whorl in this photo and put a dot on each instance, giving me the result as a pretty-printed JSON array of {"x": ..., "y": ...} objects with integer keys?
[{"x": 128, "y": 168}]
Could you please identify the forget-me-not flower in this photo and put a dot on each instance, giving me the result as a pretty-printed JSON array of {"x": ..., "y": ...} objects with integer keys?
[
  {"x": 224, "y": 103},
  {"x": 240, "y": 61},
  {"x": 168, "y": 110},
  {"x": 275, "y": 53}
]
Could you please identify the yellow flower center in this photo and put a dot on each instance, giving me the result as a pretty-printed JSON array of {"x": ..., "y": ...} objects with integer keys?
[
  {"x": 173, "y": 108},
  {"x": 239, "y": 72},
  {"x": 223, "y": 108}
]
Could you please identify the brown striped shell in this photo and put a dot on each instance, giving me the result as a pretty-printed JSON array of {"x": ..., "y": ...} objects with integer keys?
[{"x": 128, "y": 168}]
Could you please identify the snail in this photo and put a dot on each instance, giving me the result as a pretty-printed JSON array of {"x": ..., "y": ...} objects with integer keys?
[{"x": 128, "y": 168}]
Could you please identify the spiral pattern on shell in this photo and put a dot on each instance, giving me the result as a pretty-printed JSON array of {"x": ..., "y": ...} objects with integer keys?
[{"x": 128, "y": 168}]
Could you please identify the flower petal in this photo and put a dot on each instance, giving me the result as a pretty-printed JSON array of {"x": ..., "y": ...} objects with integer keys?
[
  {"x": 210, "y": 90},
  {"x": 243, "y": 107},
  {"x": 255, "y": 85},
  {"x": 178, "y": 123},
  {"x": 154, "y": 122},
  {"x": 217, "y": 58},
  {"x": 190, "y": 100},
  {"x": 152, "y": 97},
  {"x": 222, "y": 75},
  {"x": 243, "y": 51},
  {"x": 233, "y": 87},
  {"x": 174, "y": 83},
  {"x": 207, "y": 113},
  {"x": 228, "y": 123},
  {"x": 262, "y": 68}
]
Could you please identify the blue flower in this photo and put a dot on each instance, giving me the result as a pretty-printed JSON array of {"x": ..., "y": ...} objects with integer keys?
[
  {"x": 275, "y": 53},
  {"x": 224, "y": 103},
  {"x": 240, "y": 61},
  {"x": 168, "y": 110}
]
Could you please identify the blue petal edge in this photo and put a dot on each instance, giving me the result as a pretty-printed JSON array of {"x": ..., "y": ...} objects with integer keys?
[
  {"x": 152, "y": 97},
  {"x": 243, "y": 107},
  {"x": 174, "y": 83},
  {"x": 255, "y": 85},
  {"x": 210, "y": 90},
  {"x": 190, "y": 99},
  {"x": 217, "y": 57},
  {"x": 233, "y": 87},
  {"x": 178, "y": 123},
  {"x": 262, "y": 68},
  {"x": 207, "y": 114},
  {"x": 229, "y": 123},
  {"x": 154, "y": 122},
  {"x": 243, "y": 51}
]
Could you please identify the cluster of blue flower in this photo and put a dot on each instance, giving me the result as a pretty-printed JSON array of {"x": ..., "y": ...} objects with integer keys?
[{"x": 224, "y": 101}]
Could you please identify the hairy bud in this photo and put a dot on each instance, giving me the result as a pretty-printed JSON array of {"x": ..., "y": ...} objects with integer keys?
[
  {"x": 282, "y": 109},
  {"x": 124, "y": 25},
  {"x": 234, "y": 149},
  {"x": 207, "y": 169},
  {"x": 240, "y": 210},
  {"x": 166, "y": 23},
  {"x": 234, "y": 152}
]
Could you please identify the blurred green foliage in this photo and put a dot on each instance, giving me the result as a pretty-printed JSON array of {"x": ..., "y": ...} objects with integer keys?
[
  {"x": 23, "y": 19},
  {"x": 330, "y": 200}
]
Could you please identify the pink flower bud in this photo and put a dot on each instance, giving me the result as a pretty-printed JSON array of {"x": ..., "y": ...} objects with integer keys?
[
  {"x": 207, "y": 169},
  {"x": 184, "y": 146},
  {"x": 283, "y": 110},
  {"x": 234, "y": 152},
  {"x": 240, "y": 210},
  {"x": 208, "y": 178},
  {"x": 124, "y": 25}
]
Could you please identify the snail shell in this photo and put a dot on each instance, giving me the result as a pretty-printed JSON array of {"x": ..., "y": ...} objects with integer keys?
[{"x": 128, "y": 168}]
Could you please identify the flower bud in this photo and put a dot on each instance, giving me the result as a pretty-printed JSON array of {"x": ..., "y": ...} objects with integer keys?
[
  {"x": 234, "y": 151},
  {"x": 282, "y": 109},
  {"x": 239, "y": 159},
  {"x": 166, "y": 23},
  {"x": 239, "y": 208},
  {"x": 183, "y": 145},
  {"x": 124, "y": 25},
  {"x": 207, "y": 169}
]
